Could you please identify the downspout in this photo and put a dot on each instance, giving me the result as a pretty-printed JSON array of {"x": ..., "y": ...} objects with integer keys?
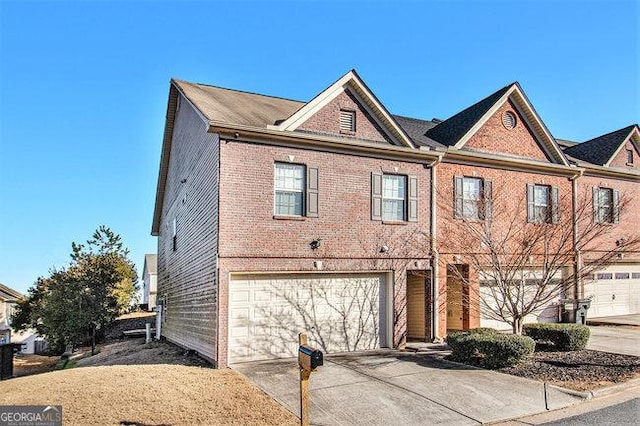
[
  {"x": 435, "y": 257},
  {"x": 578, "y": 290}
]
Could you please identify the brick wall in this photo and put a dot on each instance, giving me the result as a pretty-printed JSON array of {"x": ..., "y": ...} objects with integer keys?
[
  {"x": 327, "y": 120},
  {"x": 495, "y": 138},
  {"x": 630, "y": 212},
  {"x": 620, "y": 160},
  {"x": 510, "y": 206},
  {"x": 251, "y": 239}
]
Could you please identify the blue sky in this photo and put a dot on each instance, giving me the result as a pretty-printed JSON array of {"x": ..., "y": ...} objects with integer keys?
[{"x": 83, "y": 88}]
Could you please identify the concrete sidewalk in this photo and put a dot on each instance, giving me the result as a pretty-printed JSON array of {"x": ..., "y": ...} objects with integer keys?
[{"x": 390, "y": 387}]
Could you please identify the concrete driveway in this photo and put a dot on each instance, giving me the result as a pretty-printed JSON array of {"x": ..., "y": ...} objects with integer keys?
[
  {"x": 620, "y": 340},
  {"x": 390, "y": 387}
]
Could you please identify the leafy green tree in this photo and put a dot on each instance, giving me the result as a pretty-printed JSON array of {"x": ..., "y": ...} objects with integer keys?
[{"x": 74, "y": 305}]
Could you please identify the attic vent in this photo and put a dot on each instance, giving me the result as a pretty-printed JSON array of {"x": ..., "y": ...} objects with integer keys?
[
  {"x": 347, "y": 121},
  {"x": 509, "y": 120}
]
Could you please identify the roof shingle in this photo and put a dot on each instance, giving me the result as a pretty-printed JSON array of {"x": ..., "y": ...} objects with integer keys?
[{"x": 600, "y": 150}]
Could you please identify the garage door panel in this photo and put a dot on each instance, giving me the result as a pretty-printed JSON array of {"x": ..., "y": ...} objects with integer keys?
[
  {"x": 338, "y": 312},
  {"x": 614, "y": 291}
]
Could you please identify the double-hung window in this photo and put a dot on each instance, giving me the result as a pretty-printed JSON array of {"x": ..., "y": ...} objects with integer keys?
[
  {"x": 394, "y": 197},
  {"x": 472, "y": 198},
  {"x": 605, "y": 205},
  {"x": 289, "y": 189},
  {"x": 542, "y": 204},
  {"x": 296, "y": 190}
]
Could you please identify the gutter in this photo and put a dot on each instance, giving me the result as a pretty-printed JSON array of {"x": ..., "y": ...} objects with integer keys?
[
  {"x": 287, "y": 138},
  {"x": 578, "y": 289},
  {"x": 435, "y": 268},
  {"x": 454, "y": 155}
]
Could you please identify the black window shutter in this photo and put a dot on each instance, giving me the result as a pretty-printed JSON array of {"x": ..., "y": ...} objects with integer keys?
[
  {"x": 531, "y": 211},
  {"x": 376, "y": 196},
  {"x": 312, "y": 192},
  {"x": 487, "y": 198},
  {"x": 596, "y": 205},
  {"x": 457, "y": 197},
  {"x": 413, "y": 199},
  {"x": 555, "y": 204},
  {"x": 615, "y": 207}
]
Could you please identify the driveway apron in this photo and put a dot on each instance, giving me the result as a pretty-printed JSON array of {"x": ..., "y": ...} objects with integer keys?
[{"x": 393, "y": 387}]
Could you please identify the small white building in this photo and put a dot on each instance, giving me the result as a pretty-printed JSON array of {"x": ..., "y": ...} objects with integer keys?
[
  {"x": 149, "y": 280},
  {"x": 8, "y": 299}
]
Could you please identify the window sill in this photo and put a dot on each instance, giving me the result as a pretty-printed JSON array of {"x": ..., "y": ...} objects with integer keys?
[
  {"x": 283, "y": 217},
  {"x": 630, "y": 164},
  {"x": 395, "y": 222},
  {"x": 347, "y": 132}
]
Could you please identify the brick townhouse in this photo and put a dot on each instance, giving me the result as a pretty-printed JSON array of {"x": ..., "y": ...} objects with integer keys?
[{"x": 277, "y": 216}]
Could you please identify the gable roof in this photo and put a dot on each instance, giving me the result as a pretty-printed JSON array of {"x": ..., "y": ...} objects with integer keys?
[
  {"x": 417, "y": 130},
  {"x": 458, "y": 129},
  {"x": 453, "y": 129},
  {"x": 229, "y": 106},
  {"x": 602, "y": 149},
  {"x": 151, "y": 263},
  {"x": 367, "y": 100},
  {"x": 8, "y": 294}
]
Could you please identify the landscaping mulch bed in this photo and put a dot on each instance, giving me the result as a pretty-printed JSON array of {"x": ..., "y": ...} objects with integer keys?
[{"x": 578, "y": 370}]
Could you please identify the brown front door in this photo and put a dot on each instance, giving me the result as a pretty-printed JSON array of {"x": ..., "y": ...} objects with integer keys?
[
  {"x": 457, "y": 298},
  {"x": 416, "y": 306}
]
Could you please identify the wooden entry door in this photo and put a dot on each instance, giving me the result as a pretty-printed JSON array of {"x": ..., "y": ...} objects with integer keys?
[
  {"x": 457, "y": 298},
  {"x": 417, "y": 305}
]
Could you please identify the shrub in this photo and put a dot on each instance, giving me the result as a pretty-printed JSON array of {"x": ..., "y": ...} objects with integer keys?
[
  {"x": 563, "y": 337},
  {"x": 489, "y": 348}
]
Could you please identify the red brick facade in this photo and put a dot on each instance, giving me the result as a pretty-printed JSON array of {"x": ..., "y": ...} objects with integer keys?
[
  {"x": 327, "y": 121},
  {"x": 220, "y": 193},
  {"x": 253, "y": 239},
  {"x": 620, "y": 160},
  {"x": 494, "y": 137}
]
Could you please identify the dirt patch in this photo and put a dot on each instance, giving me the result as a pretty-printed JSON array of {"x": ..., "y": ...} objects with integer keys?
[
  {"x": 25, "y": 365},
  {"x": 130, "y": 383},
  {"x": 131, "y": 321},
  {"x": 578, "y": 370},
  {"x": 136, "y": 352}
]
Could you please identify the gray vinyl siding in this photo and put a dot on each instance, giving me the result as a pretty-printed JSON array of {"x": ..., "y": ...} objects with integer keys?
[{"x": 187, "y": 277}]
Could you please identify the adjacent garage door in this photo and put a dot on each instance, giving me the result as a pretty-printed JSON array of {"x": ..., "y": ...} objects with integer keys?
[
  {"x": 614, "y": 291},
  {"x": 339, "y": 312}
]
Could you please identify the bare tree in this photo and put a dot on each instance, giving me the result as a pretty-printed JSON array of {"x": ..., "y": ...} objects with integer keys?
[{"x": 520, "y": 258}]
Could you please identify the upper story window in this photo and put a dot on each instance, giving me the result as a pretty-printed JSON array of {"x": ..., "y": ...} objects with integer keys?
[
  {"x": 394, "y": 192},
  {"x": 347, "y": 121},
  {"x": 289, "y": 189},
  {"x": 605, "y": 205},
  {"x": 542, "y": 204},
  {"x": 472, "y": 198},
  {"x": 630, "y": 157},
  {"x": 394, "y": 197}
]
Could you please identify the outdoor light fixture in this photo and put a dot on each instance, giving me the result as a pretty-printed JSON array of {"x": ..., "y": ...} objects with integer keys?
[
  {"x": 315, "y": 243},
  {"x": 384, "y": 249}
]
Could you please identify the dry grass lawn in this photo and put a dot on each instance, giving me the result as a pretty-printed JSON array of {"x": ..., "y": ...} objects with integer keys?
[{"x": 146, "y": 394}]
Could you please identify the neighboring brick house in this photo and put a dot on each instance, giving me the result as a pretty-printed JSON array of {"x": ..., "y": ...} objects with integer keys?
[
  {"x": 611, "y": 165},
  {"x": 333, "y": 216},
  {"x": 497, "y": 152},
  {"x": 277, "y": 216}
]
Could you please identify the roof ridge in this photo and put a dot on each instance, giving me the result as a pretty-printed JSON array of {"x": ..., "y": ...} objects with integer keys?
[{"x": 236, "y": 90}]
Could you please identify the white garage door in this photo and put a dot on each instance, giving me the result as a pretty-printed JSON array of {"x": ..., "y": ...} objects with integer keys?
[
  {"x": 546, "y": 313},
  {"x": 614, "y": 291},
  {"x": 339, "y": 312}
]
